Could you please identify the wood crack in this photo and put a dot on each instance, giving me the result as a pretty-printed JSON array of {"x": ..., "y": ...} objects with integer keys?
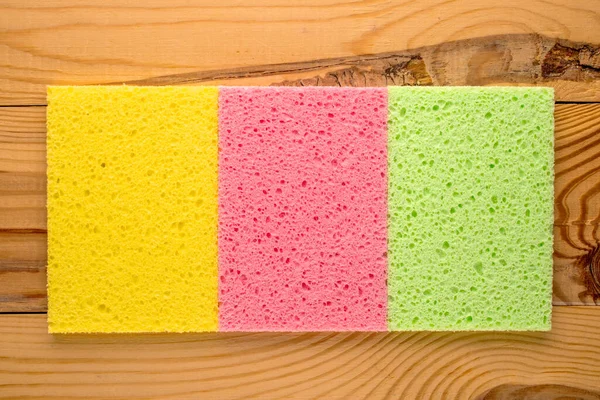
[
  {"x": 516, "y": 58},
  {"x": 573, "y": 62}
]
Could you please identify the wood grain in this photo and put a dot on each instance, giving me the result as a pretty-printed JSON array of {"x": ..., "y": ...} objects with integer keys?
[
  {"x": 459, "y": 41},
  {"x": 558, "y": 364},
  {"x": 573, "y": 69},
  {"x": 23, "y": 217},
  {"x": 539, "y": 392},
  {"x": 311, "y": 42},
  {"x": 23, "y": 271},
  {"x": 577, "y": 205}
]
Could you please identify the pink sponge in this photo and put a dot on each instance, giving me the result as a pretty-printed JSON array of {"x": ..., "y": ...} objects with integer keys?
[{"x": 302, "y": 213}]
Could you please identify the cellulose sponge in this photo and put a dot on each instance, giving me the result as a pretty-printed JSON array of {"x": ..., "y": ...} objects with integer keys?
[
  {"x": 470, "y": 208},
  {"x": 132, "y": 209},
  {"x": 302, "y": 209}
]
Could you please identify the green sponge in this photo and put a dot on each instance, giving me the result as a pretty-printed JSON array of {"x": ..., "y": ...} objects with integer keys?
[{"x": 470, "y": 208}]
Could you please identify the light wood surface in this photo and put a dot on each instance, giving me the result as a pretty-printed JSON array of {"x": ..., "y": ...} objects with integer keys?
[
  {"x": 460, "y": 41},
  {"x": 423, "y": 365},
  {"x": 310, "y": 42}
]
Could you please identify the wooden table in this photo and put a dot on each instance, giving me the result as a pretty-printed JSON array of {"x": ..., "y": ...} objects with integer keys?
[{"x": 374, "y": 43}]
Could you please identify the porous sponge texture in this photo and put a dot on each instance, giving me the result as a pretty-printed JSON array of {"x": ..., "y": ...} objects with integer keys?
[
  {"x": 132, "y": 209},
  {"x": 470, "y": 208},
  {"x": 302, "y": 210}
]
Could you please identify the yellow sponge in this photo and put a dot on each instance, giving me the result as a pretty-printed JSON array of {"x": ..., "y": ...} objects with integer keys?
[{"x": 132, "y": 209}]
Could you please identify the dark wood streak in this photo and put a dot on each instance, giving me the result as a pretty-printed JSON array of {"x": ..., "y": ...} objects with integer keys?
[
  {"x": 539, "y": 392},
  {"x": 480, "y": 61},
  {"x": 391, "y": 59},
  {"x": 589, "y": 273},
  {"x": 25, "y": 230},
  {"x": 10, "y": 266},
  {"x": 578, "y": 62},
  {"x": 396, "y": 71},
  {"x": 23, "y": 286}
]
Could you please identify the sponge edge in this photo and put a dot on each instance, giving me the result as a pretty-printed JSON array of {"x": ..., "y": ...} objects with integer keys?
[
  {"x": 470, "y": 208},
  {"x": 302, "y": 221},
  {"x": 132, "y": 209}
]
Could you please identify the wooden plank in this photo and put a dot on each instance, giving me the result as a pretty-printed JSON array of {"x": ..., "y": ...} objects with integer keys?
[
  {"x": 23, "y": 241},
  {"x": 22, "y": 169},
  {"x": 426, "y": 365},
  {"x": 577, "y": 205},
  {"x": 553, "y": 42},
  {"x": 23, "y": 271},
  {"x": 23, "y": 218}
]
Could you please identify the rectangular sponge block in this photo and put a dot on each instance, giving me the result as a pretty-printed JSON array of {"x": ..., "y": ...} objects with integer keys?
[
  {"x": 470, "y": 208},
  {"x": 132, "y": 209},
  {"x": 302, "y": 209}
]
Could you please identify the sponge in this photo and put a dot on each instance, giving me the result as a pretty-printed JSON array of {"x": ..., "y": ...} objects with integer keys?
[
  {"x": 132, "y": 209},
  {"x": 470, "y": 208},
  {"x": 302, "y": 209}
]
